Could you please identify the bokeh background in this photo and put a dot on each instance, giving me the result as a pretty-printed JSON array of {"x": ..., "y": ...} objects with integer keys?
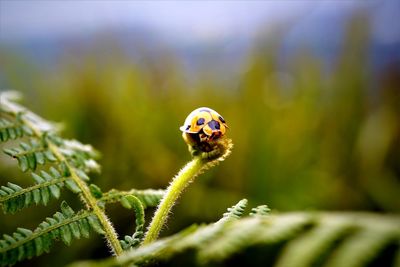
[{"x": 310, "y": 90}]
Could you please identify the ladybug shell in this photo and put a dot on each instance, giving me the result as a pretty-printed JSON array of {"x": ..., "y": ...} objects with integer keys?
[{"x": 206, "y": 119}]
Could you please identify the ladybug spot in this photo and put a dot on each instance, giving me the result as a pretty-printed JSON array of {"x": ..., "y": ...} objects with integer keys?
[
  {"x": 221, "y": 119},
  {"x": 214, "y": 125},
  {"x": 188, "y": 127},
  {"x": 200, "y": 121}
]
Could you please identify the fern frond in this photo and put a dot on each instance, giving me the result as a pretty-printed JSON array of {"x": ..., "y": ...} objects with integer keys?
[
  {"x": 261, "y": 210},
  {"x": 10, "y": 107},
  {"x": 148, "y": 197},
  {"x": 368, "y": 240},
  {"x": 80, "y": 155},
  {"x": 29, "y": 155},
  {"x": 43, "y": 133},
  {"x": 13, "y": 130},
  {"x": 74, "y": 158},
  {"x": 291, "y": 239},
  {"x": 132, "y": 202},
  {"x": 235, "y": 212},
  {"x": 48, "y": 185},
  {"x": 312, "y": 244},
  {"x": 252, "y": 232},
  {"x": 65, "y": 225}
]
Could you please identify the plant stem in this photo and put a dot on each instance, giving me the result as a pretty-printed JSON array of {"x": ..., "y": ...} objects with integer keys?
[
  {"x": 87, "y": 197},
  {"x": 91, "y": 202},
  {"x": 178, "y": 184}
]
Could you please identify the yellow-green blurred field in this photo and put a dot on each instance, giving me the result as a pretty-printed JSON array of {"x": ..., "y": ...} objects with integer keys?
[{"x": 305, "y": 139}]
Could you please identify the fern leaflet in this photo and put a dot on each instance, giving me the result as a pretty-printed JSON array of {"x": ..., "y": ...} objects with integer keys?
[
  {"x": 295, "y": 240},
  {"x": 48, "y": 185},
  {"x": 13, "y": 130},
  {"x": 65, "y": 225}
]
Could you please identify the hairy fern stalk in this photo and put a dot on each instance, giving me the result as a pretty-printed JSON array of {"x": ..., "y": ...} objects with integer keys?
[{"x": 55, "y": 163}]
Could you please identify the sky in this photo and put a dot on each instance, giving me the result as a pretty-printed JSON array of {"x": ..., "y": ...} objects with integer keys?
[
  {"x": 187, "y": 19},
  {"x": 187, "y": 26}
]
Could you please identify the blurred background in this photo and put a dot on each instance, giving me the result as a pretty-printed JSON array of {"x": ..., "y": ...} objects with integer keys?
[{"x": 309, "y": 89}]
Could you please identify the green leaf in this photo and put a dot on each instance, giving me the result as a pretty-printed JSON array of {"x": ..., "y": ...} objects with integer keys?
[
  {"x": 15, "y": 187},
  {"x": 4, "y": 135},
  {"x": 25, "y": 146},
  {"x": 23, "y": 163},
  {"x": 40, "y": 157},
  {"x": 55, "y": 191},
  {"x": 95, "y": 191},
  {"x": 11, "y": 133},
  {"x": 50, "y": 156},
  {"x": 66, "y": 226},
  {"x": 28, "y": 198},
  {"x": 95, "y": 224},
  {"x": 55, "y": 173},
  {"x": 14, "y": 198},
  {"x": 84, "y": 228},
  {"x": 38, "y": 179},
  {"x": 71, "y": 185},
  {"x": 74, "y": 227},
  {"x": 67, "y": 210},
  {"x": 36, "y": 196},
  {"x": 38, "y": 246},
  {"x": 235, "y": 212},
  {"x": 82, "y": 175},
  {"x": 66, "y": 235},
  {"x": 125, "y": 203},
  {"x": 45, "y": 195},
  {"x": 64, "y": 169},
  {"x": 310, "y": 239},
  {"x": 31, "y": 161},
  {"x": 262, "y": 210},
  {"x": 46, "y": 176},
  {"x": 133, "y": 202},
  {"x": 9, "y": 152}
]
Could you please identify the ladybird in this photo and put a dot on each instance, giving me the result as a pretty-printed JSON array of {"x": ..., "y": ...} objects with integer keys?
[{"x": 203, "y": 125}]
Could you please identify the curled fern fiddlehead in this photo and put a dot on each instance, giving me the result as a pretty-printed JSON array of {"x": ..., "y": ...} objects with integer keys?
[{"x": 132, "y": 202}]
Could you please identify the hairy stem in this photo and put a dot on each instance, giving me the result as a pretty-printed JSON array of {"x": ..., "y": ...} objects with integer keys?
[
  {"x": 91, "y": 202},
  {"x": 178, "y": 184},
  {"x": 87, "y": 197}
]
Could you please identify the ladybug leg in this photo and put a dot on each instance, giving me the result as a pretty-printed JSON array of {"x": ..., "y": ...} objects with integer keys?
[
  {"x": 203, "y": 137},
  {"x": 215, "y": 135}
]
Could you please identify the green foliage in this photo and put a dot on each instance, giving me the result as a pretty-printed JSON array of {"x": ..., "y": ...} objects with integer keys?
[
  {"x": 57, "y": 163},
  {"x": 235, "y": 212},
  {"x": 286, "y": 239},
  {"x": 65, "y": 226},
  {"x": 13, "y": 130},
  {"x": 29, "y": 155},
  {"x": 43, "y": 147},
  {"x": 148, "y": 197},
  {"x": 261, "y": 210},
  {"x": 305, "y": 136},
  {"x": 132, "y": 202},
  {"x": 48, "y": 185}
]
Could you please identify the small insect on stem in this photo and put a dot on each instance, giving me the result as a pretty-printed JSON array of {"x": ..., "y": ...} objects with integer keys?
[{"x": 204, "y": 132}]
